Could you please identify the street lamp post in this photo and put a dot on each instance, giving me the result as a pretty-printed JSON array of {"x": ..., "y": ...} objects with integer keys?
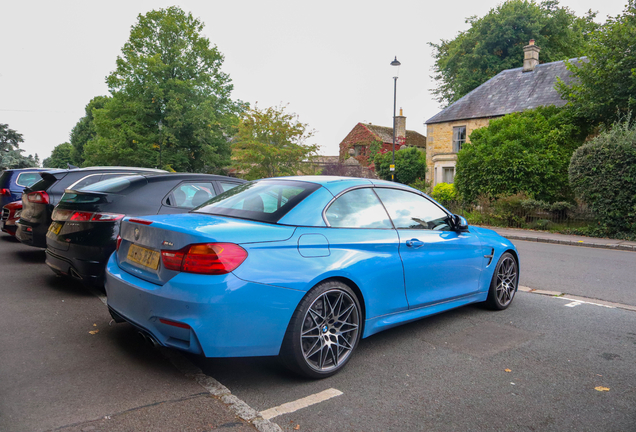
[{"x": 394, "y": 63}]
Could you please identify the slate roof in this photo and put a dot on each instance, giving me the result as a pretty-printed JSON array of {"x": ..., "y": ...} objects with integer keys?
[
  {"x": 385, "y": 134},
  {"x": 509, "y": 91}
]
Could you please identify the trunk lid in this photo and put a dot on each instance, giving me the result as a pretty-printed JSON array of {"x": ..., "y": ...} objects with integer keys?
[{"x": 144, "y": 238}]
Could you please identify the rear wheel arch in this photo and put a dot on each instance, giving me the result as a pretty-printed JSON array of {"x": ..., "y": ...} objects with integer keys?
[{"x": 356, "y": 289}]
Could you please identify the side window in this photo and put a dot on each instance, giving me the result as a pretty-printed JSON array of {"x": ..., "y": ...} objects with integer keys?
[
  {"x": 359, "y": 208},
  {"x": 114, "y": 175},
  {"x": 85, "y": 181},
  {"x": 28, "y": 179},
  {"x": 226, "y": 186},
  {"x": 190, "y": 194},
  {"x": 412, "y": 211}
]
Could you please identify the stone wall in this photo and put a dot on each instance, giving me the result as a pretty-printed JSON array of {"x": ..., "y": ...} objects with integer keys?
[{"x": 439, "y": 139}]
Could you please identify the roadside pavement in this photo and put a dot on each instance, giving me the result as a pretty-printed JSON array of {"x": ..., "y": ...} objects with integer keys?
[{"x": 564, "y": 239}]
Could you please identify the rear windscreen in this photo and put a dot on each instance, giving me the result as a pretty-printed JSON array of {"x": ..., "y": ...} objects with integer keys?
[
  {"x": 75, "y": 198},
  {"x": 45, "y": 182},
  {"x": 28, "y": 179},
  {"x": 262, "y": 200},
  {"x": 112, "y": 185}
]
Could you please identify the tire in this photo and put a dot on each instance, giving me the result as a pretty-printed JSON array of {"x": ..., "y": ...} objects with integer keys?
[
  {"x": 318, "y": 344},
  {"x": 505, "y": 281}
]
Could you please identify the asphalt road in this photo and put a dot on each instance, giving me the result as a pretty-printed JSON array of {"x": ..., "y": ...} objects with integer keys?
[
  {"x": 533, "y": 367},
  {"x": 590, "y": 272},
  {"x": 62, "y": 367},
  {"x": 449, "y": 373}
]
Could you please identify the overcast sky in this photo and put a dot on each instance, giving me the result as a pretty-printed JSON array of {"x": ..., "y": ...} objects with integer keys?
[{"x": 328, "y": 60}]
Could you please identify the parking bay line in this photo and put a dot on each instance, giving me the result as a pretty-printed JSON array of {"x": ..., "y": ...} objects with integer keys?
[{"x": 296, "y": 405}]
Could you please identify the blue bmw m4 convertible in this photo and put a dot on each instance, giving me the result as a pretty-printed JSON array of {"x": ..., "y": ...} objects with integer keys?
[{"x": 302, "y": 267}]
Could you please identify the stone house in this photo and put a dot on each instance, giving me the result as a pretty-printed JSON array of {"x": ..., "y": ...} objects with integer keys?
[
  {"x": 512, "y": 90},
  {"x": 358, "y": 142}
]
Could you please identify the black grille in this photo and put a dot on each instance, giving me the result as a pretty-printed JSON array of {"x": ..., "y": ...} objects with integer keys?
[{"x": 5, "y": 214}]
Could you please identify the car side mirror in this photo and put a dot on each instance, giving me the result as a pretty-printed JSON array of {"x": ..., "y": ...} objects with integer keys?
[{"x": 460, "y": 223}]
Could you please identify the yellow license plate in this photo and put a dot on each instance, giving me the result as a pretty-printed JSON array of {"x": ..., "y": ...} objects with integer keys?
[
  {"x": 55, "y": 228},
  {"x": 143, "y": 256}
]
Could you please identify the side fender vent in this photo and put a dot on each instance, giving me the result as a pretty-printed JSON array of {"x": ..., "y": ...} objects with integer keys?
[{"x": 492, "y": 254}]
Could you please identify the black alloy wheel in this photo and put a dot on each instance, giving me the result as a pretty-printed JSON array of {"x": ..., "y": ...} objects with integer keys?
[
  {"x": 504, "y": 283},
  {"x": 323, "y": 332}
]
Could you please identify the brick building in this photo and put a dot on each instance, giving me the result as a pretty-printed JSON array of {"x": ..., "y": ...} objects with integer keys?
[
  {"x": 363, "y": 136},
  {"x": 512, "y": 90}
]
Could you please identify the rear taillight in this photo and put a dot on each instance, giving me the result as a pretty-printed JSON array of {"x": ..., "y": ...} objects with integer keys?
[
  {"x": 118, "y": 243},
  {"x": 4, "y": 191},
  {"x": 60, "y": 215},
  {"x": 38, "y": 197},
  {"x": 207, "y": 258},
  {"x": 80, "y": 216}
]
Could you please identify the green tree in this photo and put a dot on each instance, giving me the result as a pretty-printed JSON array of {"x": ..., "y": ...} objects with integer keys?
[
  {"x": 410, "y": 165},
  {"x": 520, "y": 152},
  {"x": 603, "y": 173},
  {"x": 495, "y": 42},
  {"x": 84, "y": 130},
  {"x": 605, "y": 89},
  {"x": 271, "y": 142},
  {"x": 10, "y": 152},
  {"x": 170, "y": 104},
  {"x": 61, "y": 156}
]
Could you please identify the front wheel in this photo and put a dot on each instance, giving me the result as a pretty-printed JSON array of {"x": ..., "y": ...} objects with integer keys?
[
  {"x": 504, "y": 283},
  {"x": 323, "y": 332}
]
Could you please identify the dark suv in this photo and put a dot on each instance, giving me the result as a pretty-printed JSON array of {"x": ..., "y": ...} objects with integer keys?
[
  {"x": 13, "y": 182},
  {"x": 39, "y": 200},
  {"x": 85, "y": 224}
]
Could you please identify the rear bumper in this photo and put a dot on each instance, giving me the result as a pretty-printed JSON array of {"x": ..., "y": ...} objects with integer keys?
[
  {"x": 89, "y": 271},
  {"x": 31, "y": 233},
  {"x": 217, "y": 316}
]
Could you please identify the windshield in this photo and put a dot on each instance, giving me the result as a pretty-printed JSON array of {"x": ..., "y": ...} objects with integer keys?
[{"x": 262, "y": 200}]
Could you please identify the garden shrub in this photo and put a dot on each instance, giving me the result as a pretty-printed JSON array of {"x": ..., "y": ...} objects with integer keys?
[
  {"x": 527, "y": 151},
  {"x": 603, "y": 174},
  {"x": 444, "y": 193}
]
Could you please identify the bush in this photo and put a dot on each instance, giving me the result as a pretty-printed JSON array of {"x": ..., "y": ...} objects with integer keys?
[
  {"x": 603, "y": 174},
  {"x": 421, "y": 185},
  {"x": 527, "y": 152},
  {"x": 410, "y": 165},
  {"x": 444, "y": 193}
]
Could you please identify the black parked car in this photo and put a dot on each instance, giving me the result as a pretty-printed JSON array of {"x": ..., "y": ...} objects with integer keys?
[
  {"x": 85, "y": 224},
  {"x": 39, "y": 199}
]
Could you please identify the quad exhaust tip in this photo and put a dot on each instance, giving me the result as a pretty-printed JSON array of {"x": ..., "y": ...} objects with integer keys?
[{"x": 148, "y": 339}]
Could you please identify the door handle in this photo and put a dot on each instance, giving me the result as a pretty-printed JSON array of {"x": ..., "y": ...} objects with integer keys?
[{"x": 414, "y": 243}]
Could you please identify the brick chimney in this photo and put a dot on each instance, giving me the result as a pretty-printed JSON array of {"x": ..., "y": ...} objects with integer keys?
[
  {"x": 530, "y": 56},
  {"x": 400, "y": 129}
]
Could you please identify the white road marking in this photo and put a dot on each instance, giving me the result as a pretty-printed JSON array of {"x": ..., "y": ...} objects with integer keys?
[
  {"x": 576, "y": 302},
  {"x": 236, "y": 405},
  {"x": 291, "y": 407}
]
